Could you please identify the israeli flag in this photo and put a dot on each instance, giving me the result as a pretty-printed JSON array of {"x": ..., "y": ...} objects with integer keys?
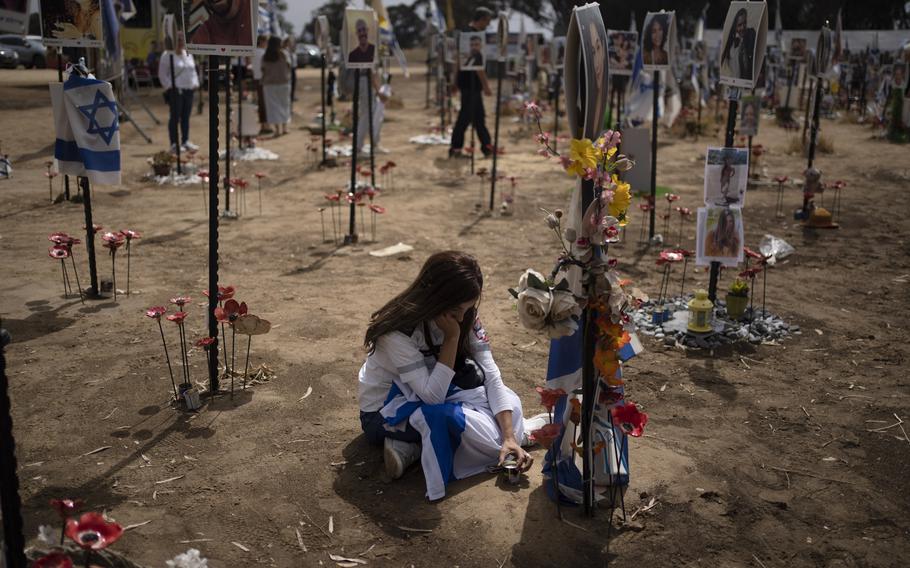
[{"x": 87, "y": 128}]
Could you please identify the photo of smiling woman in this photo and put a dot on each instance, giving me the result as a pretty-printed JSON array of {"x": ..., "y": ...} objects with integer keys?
[
  {"x": 429, "y": 388},
  {"x": 655, "y": 42}
]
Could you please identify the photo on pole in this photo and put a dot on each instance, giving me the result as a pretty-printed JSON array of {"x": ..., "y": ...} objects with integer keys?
[
  {"x": 799, "y": 46},
  {"x": 71, "y": 24},
  {"x": 220, "y": 27},
  {"x": 360, "y": 35},
  {"x": 622, "y": 46},
  {"x": 559, "y": 52},
  {"x": 719, "y": 236},
  {"x": 657, "y": 41},
  {"x": 749, "y": 115},
  {"x": 322, "y": 33},
  {"x": 592, "y": 40},
  {"x": 470, "y": 51},
  {"x": 824, "y": 52},
  {"x": 726, "y": 177},
  {"x": 502, "y": 36},
  {"x": 545, "y": 56},
  {"x": 14, "y": 16},
  {"x": 743, "y": 45},
  {"x": 899, "y": 76}
]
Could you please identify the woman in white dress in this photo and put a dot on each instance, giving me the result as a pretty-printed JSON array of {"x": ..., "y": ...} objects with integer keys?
[
  {"x": 276, "y": 86},
  {"x": 430, "y": 378}
]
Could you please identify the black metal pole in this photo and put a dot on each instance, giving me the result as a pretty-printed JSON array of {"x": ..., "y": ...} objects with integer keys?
[
  {"x": 370, "y": 127},
  {"x": 815, "y": 118},
  {"x": 89, "y": 235},
  {"x": 807, "y": 117},
  {"x": 587, "y": 381},
  {"x": 241, "y": 68},
  {"x": 213, "y": 222},
  {"x": 351, "y": 237},
  {"x": 728, "y": 143},
  {"x": 66, "y": 178},
  {"x": 10, "y": 502},
  {"x": 322, "y": 93},
  {"x": 227, "y": 135},
  {"x": 790, "y": 76},
  {"x": 500, "y": 68},
  {"x": 174, "y": 95},
  {"x": 653, "y": 212}
]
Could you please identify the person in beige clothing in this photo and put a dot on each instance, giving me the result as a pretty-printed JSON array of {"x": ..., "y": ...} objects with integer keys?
[{"x": 276, "y": 86}]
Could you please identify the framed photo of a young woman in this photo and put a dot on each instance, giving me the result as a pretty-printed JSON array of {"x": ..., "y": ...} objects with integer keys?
[
  {"x": 748, "y": 119},
  {"x": 586, "y": 53},
  {"x": 726, "y": 177},
  {"x": 658, "y": 39},
  {"x": 360, "y": 36},
  {"x": 719, "y": 236},
  {"x": 743, "y": 48},
  {"x": 622, "y": 46},
  {"x": 220, "y": 27}
]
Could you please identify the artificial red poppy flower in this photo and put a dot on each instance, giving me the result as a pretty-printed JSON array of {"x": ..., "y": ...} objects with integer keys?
[
  {"x": 130, "y": 234},
  {"x": 545, "y": 436},
  {"x": 840, "y": 184},
  {"x": 391, "y": 164},
  {"x": 549, "y": 397},
  {"x": 371, "y": 192},
  {"x": 95, "y": 227},
  {"x": 630, "y": 419},
  {"x": 93, "y": 532},
  {"x": 383, "y": 169},
  {"x": 50, "y": 174},
  {"x": 482, "y": 172},
  {"x": 177, "y": 317},
  {"x": 112, "y": 241},
  {"x": 66, "y": 507},
  {"x": 609, "y": 397},
  {"x": 224, "y": 293},
  {"x": 332, "y": 197},
  {"x": 230, "y": 311},
  {"x": 378, "y": 209},
  {"x": 181, "y": 301},
  {"x": 205, "y": 342},
  {"x": 644, "y": 206},
  {"x": 669, "y": 256},
  {"x": 53, "y": 560},
  {"x": 781, "y": 179},
  {"x": 672, "y": 197},
  {"x": 684, "y": 211},
  {"x": 751, "y": 272},
  {"x": 684, "y": 252},
  {"x": 155, "y": 312},
  {"x": 575, "y": 415},
  {"x": 60, "y": 238},
  {"x": 260, "y": 175},
  {"x": 58, "y": 251},
  {"x": 752, "y": 254}
]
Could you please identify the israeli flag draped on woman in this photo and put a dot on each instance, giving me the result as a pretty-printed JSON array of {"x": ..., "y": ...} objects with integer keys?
[{"x": 87, "y": 129}]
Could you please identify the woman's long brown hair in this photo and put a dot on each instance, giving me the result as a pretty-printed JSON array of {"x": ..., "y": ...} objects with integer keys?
[{"x": 447, "y": 280}]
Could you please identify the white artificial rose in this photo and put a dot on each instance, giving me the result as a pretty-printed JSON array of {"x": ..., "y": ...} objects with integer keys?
[
  {"x": 523, "y": 281},
  {"x": 533, "y": 308},
  {"x": 563, "y": 306}
]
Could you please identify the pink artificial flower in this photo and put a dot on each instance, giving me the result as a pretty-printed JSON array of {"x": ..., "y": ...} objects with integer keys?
[
  {"x": 155, "y": 312},
  {"x": 177, "y": 317},
  {"x": 669, "y": 256},
  {"x": 543, "y": 137},
  {"x": 378, "y": 209},
  {"x": 781, "y": 179},
  {"x": 630, "y": 419},
  {"x": 533, "y": 109},
  {"x": 130, "y": 234},
  {"x": 544, "y": 152},
  {"x": 333, "y": 197},
  {"x": 181, "y": 301},
  {"x": 260, "y": 175},
  {"x": 671, "y": 197},
  {"x": 58, "y": 252}
]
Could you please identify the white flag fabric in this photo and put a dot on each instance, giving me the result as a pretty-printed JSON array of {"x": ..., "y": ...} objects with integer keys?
[{"x": 87, "y": 128}]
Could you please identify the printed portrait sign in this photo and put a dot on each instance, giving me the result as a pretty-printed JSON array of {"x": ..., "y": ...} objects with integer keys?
[
  {"x": 748, "y": 121},
  {"x": 726, "y": 177},
  {"x": 545, "y": 56},
  {"x": 799, "y": 46},
  {"x": 14, "y": 16},
  {"x": 622, "y": 47},
  {"x": 502, "y": 35},
  {"x": 220, "y": 27},
  {"x": 743, "y": 47},
  {"x": 658, "y": 39},
  {"x": 899, "y": 76},
  {"x": 360, "y": 35},
  {"x": 470, "y": 51},
  {"x": 322, "y": 33},
  {"x": 586, "y": 52},
  {"x": 450, "y": 50},
  {"x": 71, "y": 24},
  {"x": 824, "y": 52},
  {"x": 559, "y": 52},
  {"x": 719, "y": 236}
]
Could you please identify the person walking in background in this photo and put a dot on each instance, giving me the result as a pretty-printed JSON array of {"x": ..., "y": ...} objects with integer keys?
[
  {"x": 256, "y": 66},
  {"x": 473, "y": 85},
  {"x": 276, "y": 86},
  {"x": 179, "y": 92},
  {"x": 290, "y": 48}
]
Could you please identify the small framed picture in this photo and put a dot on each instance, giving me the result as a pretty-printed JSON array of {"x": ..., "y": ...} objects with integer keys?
[
  {"x": 726, "y": 177},
  {"x": 743, "y": 48},
  {"x": 220, "y": 28},
  {"x": 658, "y": 39},
  {"x": 559, "y": 52},
  {"x": 719, "y": 236},
  {"x": 622, "y": 46},
  {"x": 360, "y": 35},
  {"x": 470, "y": 51},
  {"x": 71, "y": 24},
  {"x": 748, "y": 121}
]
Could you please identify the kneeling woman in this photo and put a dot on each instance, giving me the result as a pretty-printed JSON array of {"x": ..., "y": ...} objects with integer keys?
[{"x": 430, "y": 378}]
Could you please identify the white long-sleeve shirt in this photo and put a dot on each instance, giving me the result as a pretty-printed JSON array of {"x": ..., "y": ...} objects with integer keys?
[
  {"x": 184, "y": 71},
  {"x": 401, "y": 356}
]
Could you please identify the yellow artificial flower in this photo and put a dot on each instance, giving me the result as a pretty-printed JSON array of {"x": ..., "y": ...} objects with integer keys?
[
  {"x": 583, "y": 156},
  {"x": 622, "y": 199}
]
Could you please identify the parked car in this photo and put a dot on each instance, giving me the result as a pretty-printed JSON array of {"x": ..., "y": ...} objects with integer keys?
[
  {"x": 308, "y": 55},
  {"x": 32, "y": 52},
  {"x": 9, "y": 59}
]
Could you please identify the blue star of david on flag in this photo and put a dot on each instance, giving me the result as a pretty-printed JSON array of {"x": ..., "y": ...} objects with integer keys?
[{"x": 91, "y": 111}]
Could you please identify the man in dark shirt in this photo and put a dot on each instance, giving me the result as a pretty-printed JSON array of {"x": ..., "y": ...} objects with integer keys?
[
  {"x": 473, "y": 85},
  {"x": 365, "y": 51}
]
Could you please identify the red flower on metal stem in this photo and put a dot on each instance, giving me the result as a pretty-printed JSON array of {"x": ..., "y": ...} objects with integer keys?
[
  {"x": 177, "y": 317},
  {"x": 545, "y": 436},
  {"x": 549, "y": 397},
  {"x": 155, "y": 312},
  {"x": 181, "y": 301},
  {"x": 93, "y": 532},
  {"x": 630, "y": 419},
  {"x": 66, "y": 507},
  {"x": 53, "y": 560}
]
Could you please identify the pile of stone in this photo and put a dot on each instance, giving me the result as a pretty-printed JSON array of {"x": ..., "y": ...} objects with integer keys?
[{"x": 764, "y": 327}]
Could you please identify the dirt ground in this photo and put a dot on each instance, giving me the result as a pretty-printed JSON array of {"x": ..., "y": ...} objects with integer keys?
[{"x": 764, "y": 456}]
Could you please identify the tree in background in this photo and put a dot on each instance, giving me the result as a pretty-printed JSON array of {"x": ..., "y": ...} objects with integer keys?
[{"x": 334, "y": 11}]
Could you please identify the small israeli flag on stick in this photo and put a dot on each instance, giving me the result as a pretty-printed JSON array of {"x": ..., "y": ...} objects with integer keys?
[{"x": 87, "y": 129}]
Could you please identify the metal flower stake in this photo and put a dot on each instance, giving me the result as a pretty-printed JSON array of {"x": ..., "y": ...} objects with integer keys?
[
  {"x": 67, "y": 242},
  {"x": 155, "y": 313},
  {"x": 130, "y": 236},
  {"x": 112, "y": 242},
  {"x": 259, "y": 176},
  {"x": 250, "y": 325},
  {"x": 59, "y": 252}
]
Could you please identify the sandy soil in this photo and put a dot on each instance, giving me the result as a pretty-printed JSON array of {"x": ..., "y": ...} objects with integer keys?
[{"x": 756, "y": 456}]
